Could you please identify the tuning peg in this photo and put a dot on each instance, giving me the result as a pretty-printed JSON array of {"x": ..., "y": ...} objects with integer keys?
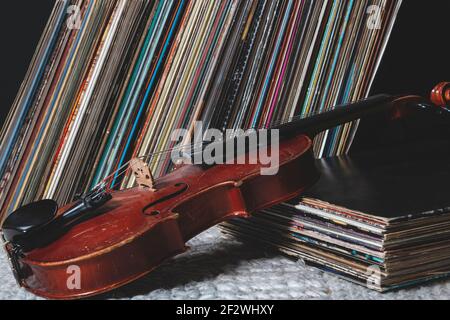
[{"x": 440, "y": 95}]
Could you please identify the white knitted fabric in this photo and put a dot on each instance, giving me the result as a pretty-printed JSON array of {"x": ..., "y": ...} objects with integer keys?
[{"x": 220, "y": 268}]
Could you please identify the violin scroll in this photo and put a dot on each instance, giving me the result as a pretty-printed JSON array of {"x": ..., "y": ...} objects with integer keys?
[{"x": 440, "y": 95}]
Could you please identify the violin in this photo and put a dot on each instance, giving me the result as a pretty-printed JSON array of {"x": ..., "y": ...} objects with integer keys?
[{"x": 113, "y": 237}]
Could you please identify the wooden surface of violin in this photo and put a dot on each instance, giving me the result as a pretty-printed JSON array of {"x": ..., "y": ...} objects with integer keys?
[{"x": 140, "y": 228}]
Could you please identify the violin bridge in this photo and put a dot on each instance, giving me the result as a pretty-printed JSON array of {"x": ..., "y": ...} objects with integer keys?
[{"x": 142, "y": 174}]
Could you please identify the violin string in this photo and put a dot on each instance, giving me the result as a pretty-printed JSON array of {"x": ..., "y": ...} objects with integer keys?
[
  {"x": 125, "y": 167},
  {"x": 149, "y": 156},
  {"x": 102, "y": 186},
  {"x": 199, "y": 144}
]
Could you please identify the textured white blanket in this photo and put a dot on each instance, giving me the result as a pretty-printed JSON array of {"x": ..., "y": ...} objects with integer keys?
[{"x": 217, "y": 268}]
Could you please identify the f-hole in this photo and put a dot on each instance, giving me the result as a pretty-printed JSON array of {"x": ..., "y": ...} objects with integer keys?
[{"x": 180, "y": 188}]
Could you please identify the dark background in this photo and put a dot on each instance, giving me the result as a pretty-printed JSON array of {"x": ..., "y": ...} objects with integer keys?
[
  {"x": 21, "y": 25},
  {"x": 417, "y": 56},
  {"x": 416, "y": 59}
]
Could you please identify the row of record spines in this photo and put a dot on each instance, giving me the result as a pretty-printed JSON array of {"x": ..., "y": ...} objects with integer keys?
[
  {"x": 224, "y": 110},
  {"x": 52, "y": 167}
]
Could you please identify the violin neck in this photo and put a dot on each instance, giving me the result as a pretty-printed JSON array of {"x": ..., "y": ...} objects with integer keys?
[
  {"x": 395, "y": 107},
  {"x": 338, "y": 116}
]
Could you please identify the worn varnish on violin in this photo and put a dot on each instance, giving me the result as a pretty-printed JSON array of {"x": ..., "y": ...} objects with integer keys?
[{"x": 115, "y": 237}]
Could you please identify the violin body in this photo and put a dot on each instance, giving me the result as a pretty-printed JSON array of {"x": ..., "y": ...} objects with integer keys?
[{"x": 140, "y": 228}]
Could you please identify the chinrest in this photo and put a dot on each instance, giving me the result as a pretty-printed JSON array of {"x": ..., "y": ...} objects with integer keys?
[{"x": 28, "y": 218}]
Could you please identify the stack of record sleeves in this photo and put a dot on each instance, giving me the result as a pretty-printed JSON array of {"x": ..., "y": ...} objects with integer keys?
[
  {"x": 359, "y": 247},
  {"x": 380, "y": 219},
  {"x": 112, "y": 79}
]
